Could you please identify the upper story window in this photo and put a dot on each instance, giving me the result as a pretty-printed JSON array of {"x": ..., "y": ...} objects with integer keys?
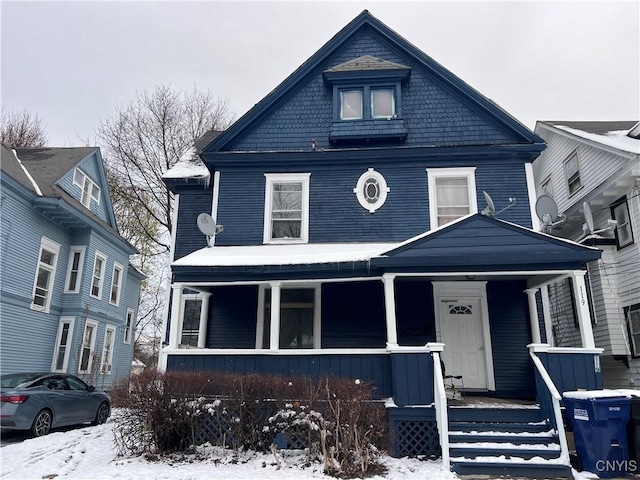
[
  {"x": 128, "y": 327},
  {"x": 97, "y": 279},
  {"x": 116, "y": 284},
  {"x": 572, "y": 173},
  {"x": 620, "y": 213},
  {"x": 90, "y": 190},
  {"x": 371, "y": 190},
  {"x": 45, "y": 274},
  {"x": 547, "y": 187},
  {"x": 367, "y": 94},
  {"x": 74, "y": 269},
  {"x": 452, "y": 194},
  {"x": 286, "y": 214},
  {"x": 380, "y": 103}
]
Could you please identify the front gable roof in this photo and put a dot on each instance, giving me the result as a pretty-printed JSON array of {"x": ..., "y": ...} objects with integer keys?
[
  {"x": 313, "y": 66},
  {"x": 481, "y": 243}
]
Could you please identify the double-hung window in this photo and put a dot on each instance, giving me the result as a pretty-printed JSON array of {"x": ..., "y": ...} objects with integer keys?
[
  {"x": 620, "y": 213},
  {"x": 191, "y": 314},
  {"x": 452, "y": 194},
  {"x": 45, "y": 274},
  {"x": 89, "y": 189},
  {"x": 74, "y": 270},
  {"x": 88, "y": 345},
  {"x": 128, "y": 328},
  {"x": 572, "y": 173},
  {"x": 63, "y": 344},
  {"x": 97, "y": 279},
  {"x": 116, "y": 284},
  {"x": 299, "y": 318},
  {"x": 286, "y": 215},
  {"x": 633, "y": 322},
  {"x": 107, "y": 349}
]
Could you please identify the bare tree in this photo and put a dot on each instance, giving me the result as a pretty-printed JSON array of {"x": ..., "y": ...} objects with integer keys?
[
  {"x": 20, "y": 128},
  {"x": 142, "y": 141}
]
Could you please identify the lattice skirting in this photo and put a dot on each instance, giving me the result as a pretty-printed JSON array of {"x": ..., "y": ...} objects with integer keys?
[{"x": 413, "y": 433}]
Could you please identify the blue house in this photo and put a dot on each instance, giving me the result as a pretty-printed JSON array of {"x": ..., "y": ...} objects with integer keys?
[
  {"x": 69, "y": 295},
  {"x": 357, "y": 241}
]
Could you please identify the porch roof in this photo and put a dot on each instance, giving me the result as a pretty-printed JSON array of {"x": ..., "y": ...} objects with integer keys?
[
  {"x": 471, "y": 243},
  {"x": 477, "y": 242}
]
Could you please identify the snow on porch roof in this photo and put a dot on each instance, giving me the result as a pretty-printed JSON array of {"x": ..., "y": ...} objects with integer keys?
[{"x": 297, "y": 254}]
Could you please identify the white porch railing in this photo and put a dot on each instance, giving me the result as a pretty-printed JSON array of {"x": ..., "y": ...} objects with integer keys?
[
  {"x": 555, "y": 400},
  {"x": 440, "y": 402}
]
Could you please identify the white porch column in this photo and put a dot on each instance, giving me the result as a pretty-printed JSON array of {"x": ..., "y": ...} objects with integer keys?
[
  {"x": 390, "y": 309},
  {"x": 176, "y": 321},
  {"x": 546, "y": 312},
  {"x": 204, "y": 320},
  {"x": 533, "y": 315},
  {"x": 582, "y": 308},
  {"x": 274, "y": 336}
]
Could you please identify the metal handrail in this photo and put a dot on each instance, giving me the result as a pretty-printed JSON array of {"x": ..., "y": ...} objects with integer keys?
[
  {"x": 555, "y": 400},
  {"x": 440, "y": 401}
]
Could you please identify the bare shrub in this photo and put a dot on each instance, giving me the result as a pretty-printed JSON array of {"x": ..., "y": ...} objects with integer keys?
[{"x": 336, "y": 420}]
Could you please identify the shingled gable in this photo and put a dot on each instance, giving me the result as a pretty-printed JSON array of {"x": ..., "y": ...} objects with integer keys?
[
  {"x": 481, "y": 243},
  {"x": 454, "y": 85}
]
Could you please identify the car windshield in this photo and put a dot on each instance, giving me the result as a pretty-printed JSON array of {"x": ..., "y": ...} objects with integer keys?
[{"x": 14, "y": 379}]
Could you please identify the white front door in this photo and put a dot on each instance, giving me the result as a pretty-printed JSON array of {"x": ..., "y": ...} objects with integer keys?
[{"x": 461, "y": 330}]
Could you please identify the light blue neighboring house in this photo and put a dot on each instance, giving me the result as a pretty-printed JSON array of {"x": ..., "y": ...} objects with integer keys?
[{"x": 68, "y": 292}]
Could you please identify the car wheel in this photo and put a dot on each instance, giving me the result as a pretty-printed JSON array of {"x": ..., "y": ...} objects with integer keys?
[
  {"x": 42, "y": 423},
  {"x": 102, "y": 414}
]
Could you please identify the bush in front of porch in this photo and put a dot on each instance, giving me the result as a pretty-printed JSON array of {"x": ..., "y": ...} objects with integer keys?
[{"x": 336, "y": 420}]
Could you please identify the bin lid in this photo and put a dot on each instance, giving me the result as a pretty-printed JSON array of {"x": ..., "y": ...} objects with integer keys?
[{"x": 591, "y": 394}]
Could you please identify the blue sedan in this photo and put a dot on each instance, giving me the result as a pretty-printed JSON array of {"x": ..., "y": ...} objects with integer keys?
[{"x": 41, "y": 401}]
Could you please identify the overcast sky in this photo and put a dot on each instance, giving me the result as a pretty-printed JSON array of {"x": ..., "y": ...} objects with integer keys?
[{"x": 73, "y": 63}]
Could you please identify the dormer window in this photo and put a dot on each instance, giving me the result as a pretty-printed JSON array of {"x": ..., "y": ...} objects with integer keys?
[
  {"x": 367, "y": 100},
  {"x": 90, "y": 191}
]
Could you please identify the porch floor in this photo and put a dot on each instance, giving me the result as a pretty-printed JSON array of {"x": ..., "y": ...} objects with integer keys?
[{"x": 491, "y": 402}]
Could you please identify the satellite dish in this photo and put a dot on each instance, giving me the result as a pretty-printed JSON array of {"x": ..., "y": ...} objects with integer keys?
[
  {"x": 545, "y": 205},
  {"x": 547, "y": 212},
  {"x": 588, "y": 218},
  {"x": 490, "y": 209},
  {"x": 207, "y": 225}
]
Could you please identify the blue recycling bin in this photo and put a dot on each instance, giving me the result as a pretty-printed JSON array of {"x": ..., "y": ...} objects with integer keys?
[{"x": 599, "y": 420}]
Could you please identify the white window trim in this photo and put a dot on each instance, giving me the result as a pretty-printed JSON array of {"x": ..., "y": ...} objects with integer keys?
[
  {"x": 435, "y": 173},
  {"x": 103, "y": 257},
  {"x": 272, "y": 178},
  {"x": 359, "y": 190},
  {"x": 91, "y": 347},
  {"x": 128, "y": 329},
  {"x": 106, "y": 368},
  {"x": 65, "y": 363},
  {"x": 317, "y": 315},
  {"x": 50, "y": 245},
  {"x": 93, "y": 187},
  {"x": 204, "y": 308},
  {"x": 72, "y": 251},
  {"x": 116, "y": 266},
  {"x": 566, "y": 175}
]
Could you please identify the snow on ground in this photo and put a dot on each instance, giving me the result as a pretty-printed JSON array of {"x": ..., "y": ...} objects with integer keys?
[{"x": 90, "y": 453}]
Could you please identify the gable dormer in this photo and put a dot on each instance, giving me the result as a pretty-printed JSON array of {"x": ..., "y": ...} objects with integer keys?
[{"x": 367, "y": 100}]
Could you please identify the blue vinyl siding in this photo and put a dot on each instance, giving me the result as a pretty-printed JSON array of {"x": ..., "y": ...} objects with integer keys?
[
  {"x": 353, "y": 315},
  {"x": 433, "y": 115},
  {"x": 375, "y": 368},
  {"x": 92, "y": 169},
  {"x": 510, "y": 335},
  {"x": 335, "y": 214},
  {"x": 232, "y": 317}
]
